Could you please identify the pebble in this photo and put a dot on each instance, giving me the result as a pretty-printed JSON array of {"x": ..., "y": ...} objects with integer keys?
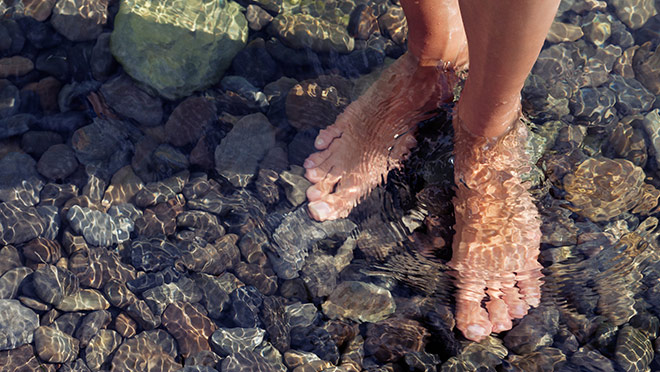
[
  {"x": 535, "y": 331},
  {"x": 634, "y": 13},
  {"x": 304, "y": 31},
  {"x": 190, "y": 327},
  {"x": 227, "y": 341},
  {"x": 96, "y": 266},
  {"x": 100, "y": 347},
  {"x": 21, "y": 359},
  {"x": 184, "y": 290},
  {"x": 19, "y": 224},
  {"x": 15, "y": 66},
  {"x": 244, "y": 304},
  {"x": 210, "y": 258},
  {"x": 255, "y": 64},
  {"x": 193, "y": 55},
  {"x": 98, "y": 228},
  {"x": 238, "y": 155},
  {"x": 90, "y": 325},
  {"x": 126, "y": 99},
  {"x": 136, "y": 352},
  {"x": 9, "y": 259},
  {"x": 11, "y": 281},
  {"x": 561, "y": 32},
  {"x": 252, "y": 361},
  {"x": 316, "y": 340},
  {"x": 391, "y": 339},
  {"x": 631, "y": 96},
  {"x": 79, "y": 20},
  {"x": 17, "y": 324},
  {"x": 58, "y": 162},
  {"x": 348, "y": 301},
  {"x": 189, "y": 120},
  {"x": 274, "y": 317},
  {"x": 215, "y": 295},
  {"x": 54, "y": 346},
  {"x": 394, "y": 24},
  {"x": 16, "y": 166},
  {"x": 319, "y": 274},
  {"x": 257, "y": 17},
  {"x": 15, "y": 125},
  {"x": 634, "y": 351},
  {"x": 52, "y": 284},
  {"x": 84, "y": 300},
  {"x": 42, "y": 250},
  {"x": 647, "y": 69}
]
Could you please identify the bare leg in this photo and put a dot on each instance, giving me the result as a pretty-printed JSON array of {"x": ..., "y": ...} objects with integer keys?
[
  {"x": 497, "y": 237},
  {"x": 376, "y": 132}
]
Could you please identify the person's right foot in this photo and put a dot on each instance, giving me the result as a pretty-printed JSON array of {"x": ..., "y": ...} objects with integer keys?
[{"x": 373, "y": 135}]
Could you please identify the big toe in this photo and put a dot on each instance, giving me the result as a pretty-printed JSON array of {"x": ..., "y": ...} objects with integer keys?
[
  {"x": 472, "y": 320},
  {"x": 499, "y": 315}
]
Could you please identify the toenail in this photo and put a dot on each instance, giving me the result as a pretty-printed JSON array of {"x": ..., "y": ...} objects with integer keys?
[
  {"x": 319, "y": 142},
  {"x": 322, "y": 209},
  {"x": 308, "y": 164}
]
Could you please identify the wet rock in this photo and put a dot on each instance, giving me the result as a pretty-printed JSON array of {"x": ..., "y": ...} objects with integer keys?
[
  {"x": 100, "y": 347},
  {"x": 244, "y": 307},
  {"x": 104, "y": 144},
  {"x": 15, "y": 125},
  {"x": 118, "y": 294},
  {"x": 98, "y": 228},
  {"x": 363, "y": 22},
  {"x": 237, "y": 156},
  {"x": 390, "y": 339},
  {"x": 296, "y": 235},
  {"x": 126, "y": 99},
  {"x": 594, "y": 106},
  {"x": 67, "y": 322},
  {"x": 262, "y": 278},
  {"x": 190, "y": 327},
  {"x": 315, "y": 340},
  {"x": 189, "y": 120},
  {"x": 153, "y": 254},
  {"x": 54, "y": 346},
  {"x": 227, "y": 341},
  {"x": 361, "y": 302},
  {"x": 11, "y": 281},
  {"x": 203, "y": 224},
  {"x": 301, "y": 315},
  {"x": 484, "y": 355},
  {"x": 319, "y": 274},
  {"x": 19, "y": 224},
  {"x": 96, "y": 266},
  {"x": 304, "y": 31},
  {"x": 161, "y": 191},
  {"x": 42, "y": 250},
  {"x": 58, "y": 162},
  {"x": 275, "y": 320},
  {"x": 15, "y": 66},
  {"x": 102, "y": 63},
  {"x": 47, "y": 90},
  {"x": 20, "y": 359},
  {"x": 257, "y": 17},
  {"x": 215, "y": 295},
  {"x": 253, "y": 361},
  {"x": 17, "y": 324},
  {"x": 84, "y": 300},
  {"x": 123, "y": 186},
  {"x": 238, "y": 96},
  {"x": 623, "y": 182},
  {"x": 184, "y": 290},
  {"x": 137, "y": 352},
  {"x": 631, "y": 96},
  {"x": 316, "y": 103},
  {"x": 125, "y": 325},
  {"x": 80, "y": 20},
  {"x": 19, "y": 180},
  {"x": 192, "y": 55},
  {"x": 157, "y": 221},
  {"x": 53, "y": 283},
  {"x": 154, "y": 162},
  {"x": 210, "y": 258},
  {"x": 647, "y": 69},
  {"x": 10, "y": 99},
  {"x": 547, "y": 356},
  {"x": 91, "y": 324},
  {"x": 9, "y": 259},
  {"x": 394, "y": 25},
  {"x": 591, "y": 360},
  {"x": 267, "y": 187},
  {"x": 634, "y": 351},
  {"x": 596, "y": 27},
  {"x": 560, "y": 32},
  {"x": 143, "y": 315},
  {"x": 536, "y": 330},
  {"x": 153, "y": 279},
  {"x": 634, "y": 13},
  {"x": 296, "y": 358},
  {"x": 629, "y": 143}
]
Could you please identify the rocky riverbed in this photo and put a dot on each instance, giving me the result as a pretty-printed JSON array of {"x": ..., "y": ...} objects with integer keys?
[{"x": 152, "y": 206}]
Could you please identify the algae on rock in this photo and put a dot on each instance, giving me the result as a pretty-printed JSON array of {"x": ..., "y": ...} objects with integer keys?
[{"x": 178, "y": 47}]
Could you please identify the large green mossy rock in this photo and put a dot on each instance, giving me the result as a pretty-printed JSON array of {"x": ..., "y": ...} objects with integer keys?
[{"x": 178, "y": 47}]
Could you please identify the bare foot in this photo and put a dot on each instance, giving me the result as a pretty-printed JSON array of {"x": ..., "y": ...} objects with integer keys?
[
  {"x": 497, "y": 239},
  {"x": 373, "y": 135}
]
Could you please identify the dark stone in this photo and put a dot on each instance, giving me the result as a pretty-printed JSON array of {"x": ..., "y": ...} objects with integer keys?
[
  {"x": 17, "y": 324},
  {"x": 63, "y": 122},
  {"x": 210, "y": 258},
  {"x": 15, "y": 125},
  {"x": 54, "y": 62},
  {"x": 10, "y": 99},
  {"x": 54, "y": 346},
  {"x": 12, "y": 280},
  {"x": 276, "y": 321},
  {"x": 244, "y": 307},
  {"x": 534, "y": 331},
  {"x": 126, "y": 99},
  {"x": 255, "y": 64},
  {"x": 190, "y": 327},
  {"x": 58, "y": 162},
  {"x": 102, "y": 62},
  {"x": 153, "y": 279},
  {"x": 315, "y": 340},
  {"x": 91, "y": 324},
  {"x": 184, "y": 290},
  {"x": 215, "y": 296},
  {"x": 43, "y": 250},
  {"x": 19, "y": 224},
  {"x": 53, "y": 283}
]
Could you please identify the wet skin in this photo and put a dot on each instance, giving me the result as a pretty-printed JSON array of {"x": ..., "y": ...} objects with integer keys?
[{"x": 496, "y": 245}]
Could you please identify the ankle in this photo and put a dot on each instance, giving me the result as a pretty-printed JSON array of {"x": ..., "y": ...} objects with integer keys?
[{"x": 482, "y": 119}]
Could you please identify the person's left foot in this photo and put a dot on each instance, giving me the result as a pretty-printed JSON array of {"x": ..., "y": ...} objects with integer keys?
[{"x": 497, "y": 238}]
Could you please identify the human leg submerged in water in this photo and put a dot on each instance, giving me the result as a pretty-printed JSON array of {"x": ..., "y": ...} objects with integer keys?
[{"x": 497, "y": 237}]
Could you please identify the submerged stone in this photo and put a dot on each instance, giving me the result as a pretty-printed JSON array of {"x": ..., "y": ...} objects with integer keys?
[
  {"x": 361, "y": 302},
  {"x": 178, "y": 47}
]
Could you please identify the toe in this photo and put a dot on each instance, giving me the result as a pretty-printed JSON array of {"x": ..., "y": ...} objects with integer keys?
[
  {"x": 316, "y": 159},
  {"x": 499, "y": 315},
  {"x": 325, "y": 137},
  {"x": 320, "y": 210},
  {"x": 471, "y": 317}
]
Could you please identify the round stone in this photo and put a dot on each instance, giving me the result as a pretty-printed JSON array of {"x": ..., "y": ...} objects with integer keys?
[
  {"x": 358, "y": 301},
  {"x": 54, "y": 346},
  {"x": 17, "y": 324},
  {"x": 58, "y": 162}
]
